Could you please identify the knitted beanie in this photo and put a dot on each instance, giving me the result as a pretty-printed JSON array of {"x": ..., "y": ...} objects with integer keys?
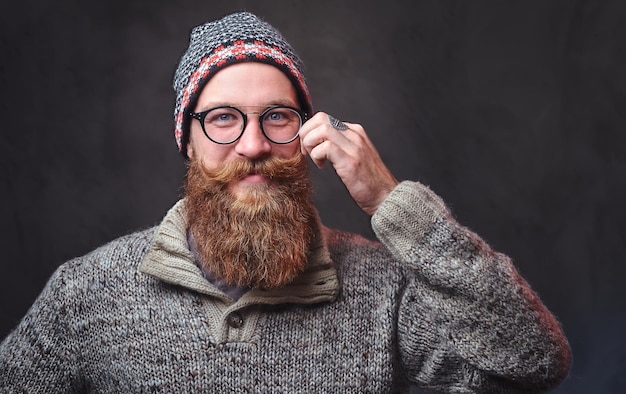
[{"x": 236, "y": 38}]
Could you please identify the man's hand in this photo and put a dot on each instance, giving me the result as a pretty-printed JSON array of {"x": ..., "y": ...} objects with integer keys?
[{"x": 353, "y": 156}]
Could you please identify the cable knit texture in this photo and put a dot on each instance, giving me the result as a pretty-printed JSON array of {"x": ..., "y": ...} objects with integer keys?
[{"x": 430, "y": 305}]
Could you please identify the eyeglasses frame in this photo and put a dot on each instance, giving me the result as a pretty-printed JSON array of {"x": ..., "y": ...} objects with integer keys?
[{"x": 200, "y": 116}]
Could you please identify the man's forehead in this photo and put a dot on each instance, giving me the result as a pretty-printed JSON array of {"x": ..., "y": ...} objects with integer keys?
[{"x": 248, "y": 84}]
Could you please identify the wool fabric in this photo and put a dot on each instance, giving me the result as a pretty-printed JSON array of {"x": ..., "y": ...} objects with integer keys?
[
  {"x": 432, "y": 305},
  {"x": 236, "y": 38}
]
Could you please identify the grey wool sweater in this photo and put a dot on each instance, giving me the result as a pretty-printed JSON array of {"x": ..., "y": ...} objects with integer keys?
[{"x": 430, "y": 304}]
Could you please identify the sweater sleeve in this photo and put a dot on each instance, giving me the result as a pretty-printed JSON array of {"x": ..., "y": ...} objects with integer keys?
[
  {"x": 467, "y": 321},
  {"x": 37, "y": 356}
]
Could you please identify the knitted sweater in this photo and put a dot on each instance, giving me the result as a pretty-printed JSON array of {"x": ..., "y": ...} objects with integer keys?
[{"x": 431, "y": 305}]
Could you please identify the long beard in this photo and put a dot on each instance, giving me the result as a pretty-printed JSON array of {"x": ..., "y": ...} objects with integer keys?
[{"x": 258, "y": 237}]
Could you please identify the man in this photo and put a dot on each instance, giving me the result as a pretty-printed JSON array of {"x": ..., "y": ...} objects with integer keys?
[{"x": 242, "y": 289}]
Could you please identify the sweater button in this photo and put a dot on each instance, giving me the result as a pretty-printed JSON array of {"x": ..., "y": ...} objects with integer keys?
[{"x": 235, "y": 320}]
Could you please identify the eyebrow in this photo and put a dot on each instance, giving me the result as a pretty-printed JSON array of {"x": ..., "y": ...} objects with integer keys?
[{"x": 268, "y": 104}]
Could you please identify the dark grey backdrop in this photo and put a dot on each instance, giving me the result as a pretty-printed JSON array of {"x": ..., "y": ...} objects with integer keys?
[{"x": 512, "y": 111}]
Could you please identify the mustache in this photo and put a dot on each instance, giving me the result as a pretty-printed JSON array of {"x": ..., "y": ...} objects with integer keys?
[{"x": 272, "y": 167}]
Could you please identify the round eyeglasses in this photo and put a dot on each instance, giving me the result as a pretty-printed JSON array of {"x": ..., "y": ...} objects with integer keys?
[{"x": 225, "y": 124}]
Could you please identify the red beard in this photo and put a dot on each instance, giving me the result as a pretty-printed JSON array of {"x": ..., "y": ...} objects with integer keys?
[{"x": 259, "y": 237}]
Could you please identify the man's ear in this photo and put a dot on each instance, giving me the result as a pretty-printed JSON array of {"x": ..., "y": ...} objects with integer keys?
[{"x": 189, "y": 150}]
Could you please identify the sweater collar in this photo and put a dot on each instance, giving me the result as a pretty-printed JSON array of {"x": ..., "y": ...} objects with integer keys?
[{"x": 170, "y": 260}]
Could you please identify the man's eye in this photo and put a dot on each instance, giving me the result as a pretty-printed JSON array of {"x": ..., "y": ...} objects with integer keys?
[
  {"x": 225, "y": 117},
  {"x": 274, "y": 116},
  {"x": 221, "y": 118}
]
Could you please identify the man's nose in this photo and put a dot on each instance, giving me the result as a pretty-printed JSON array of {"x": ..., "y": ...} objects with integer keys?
[{"x": 253, "y": 144}]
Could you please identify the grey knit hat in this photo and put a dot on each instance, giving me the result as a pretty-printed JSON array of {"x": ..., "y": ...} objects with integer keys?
[{"x": 236, "y": 38}]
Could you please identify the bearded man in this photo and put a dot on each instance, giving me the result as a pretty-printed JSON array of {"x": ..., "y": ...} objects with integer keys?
[{"x": 242, "y": 289}]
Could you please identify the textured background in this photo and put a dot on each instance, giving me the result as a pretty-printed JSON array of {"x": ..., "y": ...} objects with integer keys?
[{"x": 512, "y": 111}]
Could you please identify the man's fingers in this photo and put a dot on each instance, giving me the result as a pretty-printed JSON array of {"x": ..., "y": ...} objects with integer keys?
[{"x": 319, "y": 154}]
